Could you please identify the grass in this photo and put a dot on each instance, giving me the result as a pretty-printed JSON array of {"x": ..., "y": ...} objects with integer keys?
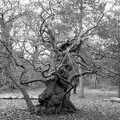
[{"x": 92, "y": 107}]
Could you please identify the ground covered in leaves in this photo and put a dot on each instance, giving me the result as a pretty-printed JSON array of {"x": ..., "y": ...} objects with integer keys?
[{"x": 92, "y": 107}]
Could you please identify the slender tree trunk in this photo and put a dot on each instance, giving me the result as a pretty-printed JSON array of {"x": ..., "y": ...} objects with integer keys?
[
  {"x": 80, "y": 30},
  {"x": 119, "y": 87},
  {"x": 93, "y": 81},
  {"x": 29, "y": 103},
  {"x": 81, "y": 94},
  {"x": 119, "y": 68}
]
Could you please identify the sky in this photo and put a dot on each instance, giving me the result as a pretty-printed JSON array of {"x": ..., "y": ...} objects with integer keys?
[
  {"x": 24, "y": 1},
  {"x": 108, "y": 6}
]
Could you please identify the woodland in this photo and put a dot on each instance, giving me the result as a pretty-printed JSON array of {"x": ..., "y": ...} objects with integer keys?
[{"x": 59, "y": 44}]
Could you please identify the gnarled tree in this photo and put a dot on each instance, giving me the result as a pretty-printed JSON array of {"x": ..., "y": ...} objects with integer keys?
[{"x": 65, "y": 56}]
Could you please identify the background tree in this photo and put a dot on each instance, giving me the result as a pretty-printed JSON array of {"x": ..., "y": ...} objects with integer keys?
[
  {"x": 109, "y": 32},
  {"x": 10, "y": 13}
]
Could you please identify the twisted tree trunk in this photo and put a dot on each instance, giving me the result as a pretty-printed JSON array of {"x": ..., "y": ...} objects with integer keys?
[{"x": 55, "y": 98}]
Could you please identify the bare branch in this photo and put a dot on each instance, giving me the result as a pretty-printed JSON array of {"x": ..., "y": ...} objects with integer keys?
[
  {"x": 80, "y": 63},
  {"x": 82, "y": 59},
  {"x": 41, "y": 31},
  {"x": 82, "y": 74},
  {"x": 11, "y": 55},
  {"x": 110, "y": 71},
  {"x": 87, "y": 31},
  {"x": 16, "y": 17},
  {"x": 47, "y": 70},
  {"x": 32, "y": 81}
]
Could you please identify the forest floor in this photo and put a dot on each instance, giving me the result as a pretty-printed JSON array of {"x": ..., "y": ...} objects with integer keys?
[{"x": 92, "y": 107}]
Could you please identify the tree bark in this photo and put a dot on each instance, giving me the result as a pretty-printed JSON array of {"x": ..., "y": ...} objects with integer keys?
[{"x": 55, "y": 99}]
